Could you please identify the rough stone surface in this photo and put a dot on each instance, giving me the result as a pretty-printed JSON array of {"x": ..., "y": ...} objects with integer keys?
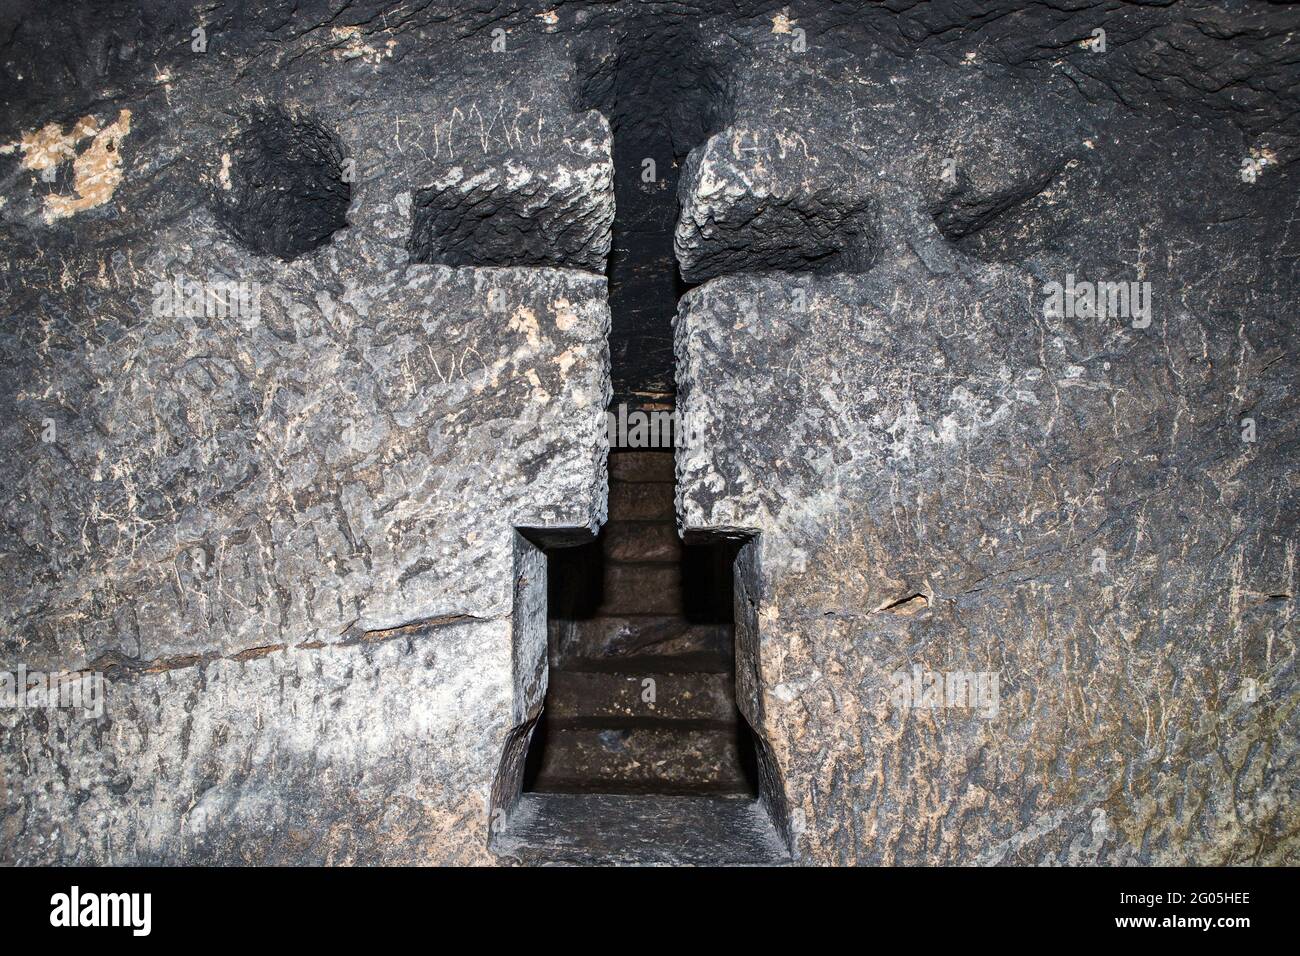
[
  {"x": 943, "y": 475},
  {"x": 281, "y": 524},
  {"x": 760, "y": 199},
  {"x": 519, "y": 211}
]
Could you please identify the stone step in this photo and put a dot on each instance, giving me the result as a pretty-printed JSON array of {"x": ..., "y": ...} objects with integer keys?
[
  {"x": 641, "y": 501},
  {"x": 642, "y": 541},
  {"x": 621, "y": 830},
  {"x": 642, "y": 589},
  {"x": 642, "y": 466},
  {"x": 660, "y": 758},
  {"x": 619, "y": 694},
  {"x": 610, "y": 639}
]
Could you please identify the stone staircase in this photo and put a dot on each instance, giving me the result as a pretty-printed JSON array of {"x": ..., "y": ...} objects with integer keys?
[{"x": 641, "y": 696}]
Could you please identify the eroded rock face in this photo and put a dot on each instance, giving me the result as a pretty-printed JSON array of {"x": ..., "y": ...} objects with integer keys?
[
  {"x": 361, "y": 479},
  {"x": 753, "y": 200},
  {"x": 324, "y": 468},
  {"x": 264, "y": 470},
  {"x": 1080, "y": 525},
  {"x": 344, "y": 754},
  {"x": 1029, "y": 515},
  {"x": 515, "y": 212}
]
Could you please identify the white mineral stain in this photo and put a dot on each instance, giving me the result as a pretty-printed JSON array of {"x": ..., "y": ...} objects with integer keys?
[
  {"x": 517, "y": 176},
  {"x": 566, "y": 317},
  {"x": 353, "y": 46},
  {"x": 97, "y": 170},
  {"x": 1263, "y": 158},
  {"x": 524, "y": 320},
  {"x": 539, "y": 394},
  {"x": 49, "y": 146},
  {"x": 565, "y": 360}
]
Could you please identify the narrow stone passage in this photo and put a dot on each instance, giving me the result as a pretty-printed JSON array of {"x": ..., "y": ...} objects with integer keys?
[
  {"x": 641, "y": 695},
  {"x": 642, "y": 672}
]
